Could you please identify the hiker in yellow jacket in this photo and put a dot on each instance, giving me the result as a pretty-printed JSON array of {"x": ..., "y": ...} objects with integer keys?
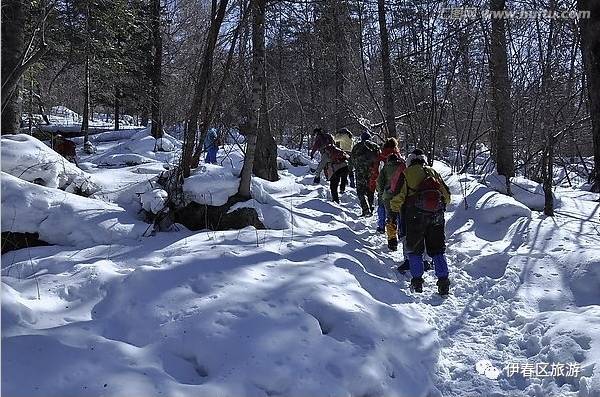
[
  {"x": 344, "y": 140},
  {"x": 424, "y": 196}
]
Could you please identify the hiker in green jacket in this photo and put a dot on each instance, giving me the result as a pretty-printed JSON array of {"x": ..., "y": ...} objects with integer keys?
[{"x": 424, "y": 195}]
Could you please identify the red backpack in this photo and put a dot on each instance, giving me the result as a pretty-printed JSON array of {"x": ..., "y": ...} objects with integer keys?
[
  {"x": 336, "y": 154},
  {"x": 397, "y": 178},
  {"x": 428, "y": 195}
]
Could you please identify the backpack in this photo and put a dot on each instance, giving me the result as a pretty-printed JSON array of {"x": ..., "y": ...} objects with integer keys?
[
  {"x": 336, "y": 154},
  {"x": 428, "y": 195},
  {"x": 396, "y": 177},
  {"x": 366, "y": 152}
]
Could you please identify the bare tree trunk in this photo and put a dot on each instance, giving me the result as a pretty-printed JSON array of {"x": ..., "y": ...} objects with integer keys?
[
  {"x": 258, "y": 81},
  {"x": 117, "y": 107},
  {"x": 388, "y": 94},
  {"x": 210, "y": 108},
  {"x": 590, "y": 49},
  {"x": 500, "y": 87},
  {"x": 155, "y": 77},
  {"x": 86, "y": 102},
  {"x": 265, "y": 163},
  {"x": 144, "y": 117},
  {"x": 546, "y": 127},
  {"x": 13, "y": 42},
  {"x": 201, "y": 88},
  {"x": 339, "y": 13}
]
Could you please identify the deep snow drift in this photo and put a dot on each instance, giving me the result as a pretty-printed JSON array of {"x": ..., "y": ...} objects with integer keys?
[{"x": 312, "y": 306}]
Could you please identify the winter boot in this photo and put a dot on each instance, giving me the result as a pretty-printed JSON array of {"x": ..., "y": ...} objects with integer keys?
[
  {"x": 393, "y": 244},
  {"x": 443, "y": 285},
  {"x": 416, "y": 284},
  {"x": 392, "y": 235},
  {"x": 404, "y": 267}
]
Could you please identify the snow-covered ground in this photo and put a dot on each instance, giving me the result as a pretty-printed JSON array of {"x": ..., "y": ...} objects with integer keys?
[{"x": 311, "y": 307}]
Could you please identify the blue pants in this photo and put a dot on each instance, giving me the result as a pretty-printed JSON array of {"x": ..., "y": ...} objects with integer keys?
[
  {"x": 211, "y": 155},
  {"x": 416, "y": 265},
  {"x": 381, "y": 215}
]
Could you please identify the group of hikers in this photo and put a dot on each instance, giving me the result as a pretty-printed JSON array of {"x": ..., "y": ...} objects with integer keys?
[{"x": 411, "y": 196}]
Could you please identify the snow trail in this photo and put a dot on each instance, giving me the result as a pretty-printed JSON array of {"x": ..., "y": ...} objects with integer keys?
[{"x": 313, "y": 306}]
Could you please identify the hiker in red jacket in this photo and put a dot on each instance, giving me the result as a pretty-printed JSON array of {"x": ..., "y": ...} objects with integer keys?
[{"x": 335, "y": 164}]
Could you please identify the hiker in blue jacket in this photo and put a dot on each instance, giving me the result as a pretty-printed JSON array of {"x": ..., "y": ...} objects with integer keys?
[{"x": 211, "y": 145}]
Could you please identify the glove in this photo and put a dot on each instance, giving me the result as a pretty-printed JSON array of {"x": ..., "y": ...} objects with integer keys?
[{"x": 317, "y": 180}]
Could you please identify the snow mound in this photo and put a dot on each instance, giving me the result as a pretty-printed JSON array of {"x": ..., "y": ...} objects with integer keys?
[
  {"x": 211, "y": 185},
  {"x": 139, "y": 148},
  {"x": 28, "y": 158},
  {"x": 492, "y": 207},
  {"x": 523, "y": 190},
  {"x": 124, "y": 159},
  {"x": 164, "y": 145},
  {"x": 292, "y": 157},
  {"x": 110, "y": 136},
  {"x": 154, "y": 200},
  {"x": 63, "y": 218}
]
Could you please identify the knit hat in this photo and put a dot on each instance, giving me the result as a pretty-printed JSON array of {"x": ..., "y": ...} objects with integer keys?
[
  {"x": 365, "y": 136},
  {"x": 417, "y": 155}
]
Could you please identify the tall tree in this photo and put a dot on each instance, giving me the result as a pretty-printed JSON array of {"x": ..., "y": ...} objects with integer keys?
[
  {"x": 204, "y": 76},
  {"x": 13, "y": 42},
  {"x": 85, "y": 123},
  {"x": 546, "y": 126},
  {"x": 258, "y": 82},
  {"x": 590, "y": 49},
  {"x": 501, "y": 100},
  {"x": 156, "y": 71},
  {"x": 17, "y": 58},
  {"x": 388, "y": 94}
]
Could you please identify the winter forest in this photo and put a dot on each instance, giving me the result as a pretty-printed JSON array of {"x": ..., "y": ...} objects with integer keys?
[{"x": 300, "y": 198}]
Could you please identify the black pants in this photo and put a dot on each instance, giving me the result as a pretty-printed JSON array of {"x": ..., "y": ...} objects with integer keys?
[
  {"x": 365, "y": 196},
  {"x": 425, "y": 231},
  {"x": 339, "y": 178}
]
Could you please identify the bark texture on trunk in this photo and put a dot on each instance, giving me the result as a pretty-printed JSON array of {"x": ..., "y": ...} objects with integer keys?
[
  {"x": 258, "y": 81},
  {"x": 265, "y": 163},
  {"x": 590, "y": 48},
  {"x": 500, "y": 87},
  {"x": 156, "y": 73},
  {"x": 117, "y": 107},
  {"x": 13, "y": 42},
  {"x": 85, "y": 124}
]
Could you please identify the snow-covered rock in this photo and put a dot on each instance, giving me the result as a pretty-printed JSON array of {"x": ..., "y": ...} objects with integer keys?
[
  {"x": 63, "y": 218},
  {"x": 154, "y": 200},
  {"x": 211, "y": 185},
  {"x": 28, "y": 158}
]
